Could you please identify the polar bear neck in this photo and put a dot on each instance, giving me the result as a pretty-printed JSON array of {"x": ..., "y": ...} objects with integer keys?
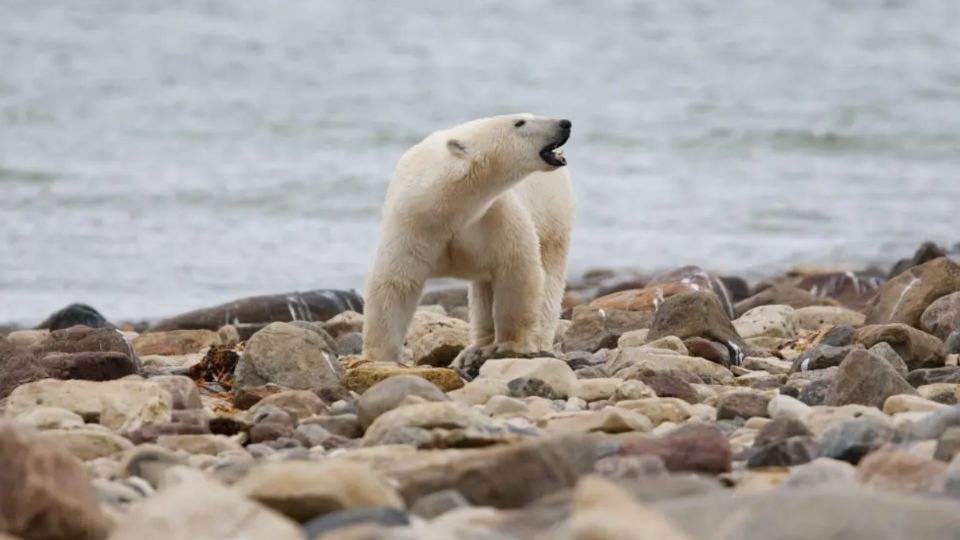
[{"x": 483, "y": 183}]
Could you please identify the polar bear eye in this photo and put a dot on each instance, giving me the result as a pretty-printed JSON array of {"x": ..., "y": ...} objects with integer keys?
[{"x": 519, "y": 123}]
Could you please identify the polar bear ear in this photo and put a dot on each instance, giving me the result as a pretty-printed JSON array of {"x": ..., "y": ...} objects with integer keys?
[{"x": 457, "y": 148}]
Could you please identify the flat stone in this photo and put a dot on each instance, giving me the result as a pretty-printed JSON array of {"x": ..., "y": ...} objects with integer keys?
[
  {"x": 742, "y": 405},
  {"x": 89, "y": 443},
  {"x": 303, "y": 490},
  {"x": 361, "y": 378},
  {"x": 814, "y": 318},
  {"x": 199, "y": 444}
]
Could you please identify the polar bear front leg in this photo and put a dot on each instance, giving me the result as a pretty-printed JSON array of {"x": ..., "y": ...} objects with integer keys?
[
  {"x": 517, "y": 293},
  {"x": 481, "y": 314},
  {"x": 393, "y": 292}
]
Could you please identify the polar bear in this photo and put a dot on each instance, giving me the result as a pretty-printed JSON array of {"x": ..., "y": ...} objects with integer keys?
[{"x": 489, "y": 201}]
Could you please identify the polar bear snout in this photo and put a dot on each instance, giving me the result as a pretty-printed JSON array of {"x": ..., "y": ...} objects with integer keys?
[{"x": 551, "y": 153}]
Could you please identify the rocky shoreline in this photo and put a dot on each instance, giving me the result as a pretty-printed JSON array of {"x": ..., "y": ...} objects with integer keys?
[{"x": 680, "y": 406}]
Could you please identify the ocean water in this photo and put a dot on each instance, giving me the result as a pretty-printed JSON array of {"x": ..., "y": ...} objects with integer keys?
[{"x": 158, "y": 156}]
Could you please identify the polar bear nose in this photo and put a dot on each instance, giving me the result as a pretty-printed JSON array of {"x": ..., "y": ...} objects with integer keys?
[{"x": 565, "y": 124}]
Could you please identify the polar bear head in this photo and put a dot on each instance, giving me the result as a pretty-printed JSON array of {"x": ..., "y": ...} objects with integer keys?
[{"x": 515, "y": 144}]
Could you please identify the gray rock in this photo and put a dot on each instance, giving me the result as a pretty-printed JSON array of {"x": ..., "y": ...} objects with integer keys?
[
  {"x": 820, "y": 357},
  {"x": 389, "y": 393},
  {"x": 821, "y": 471},
  {"x": 815, "y": 392},
  {"x": 854, "y": 439},
  {"x": 697, "y": 314},
  {"x": 948, "y": 445},
  {"x": 380, "y": 517},
  {"x": 438, "y": 503},
  {"x": 935, "y": 424},
  {"x": 288, "y": 356},
  {"x": 785, "y": 453},
  {"x": 885, "y": 351},
  {"x": 349, "y": 344},
  {"x": 947, "y": 374}
]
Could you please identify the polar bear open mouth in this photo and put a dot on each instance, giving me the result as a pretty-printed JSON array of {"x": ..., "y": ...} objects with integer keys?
[{"x": 552, "y": 154}]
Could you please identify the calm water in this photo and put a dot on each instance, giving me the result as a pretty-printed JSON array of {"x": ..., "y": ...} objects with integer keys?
[{"x": 157, "y": 156}]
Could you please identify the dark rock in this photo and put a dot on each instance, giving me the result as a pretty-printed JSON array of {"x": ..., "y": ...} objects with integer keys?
[
  {"x": 952, "y": 345},
  {"x": 697, "y": 314},
  {"x": 670, "y": 384},
  {"x": 942, "y": 317},
  {"x": 782, "y": 294},
  {"x": 927, "y": 252},
  {"x": 528, "y": 386},
  {"x": 384, "y": 516},
  {"x": 921, "y": 377},
  {"x": 717, "y": 353},
  {"x": 917, "y": 348},
  {"x": 46, "y": 493},
  {"x": 74, "y": 315},
  {"x": 247, "y": 396},
  {"x": 779, "y": 430},
  {"x": 815, "y": 392},
  {"x": 820, "y": 357},
  {"x": 285, "y": 443},
  {"x": 578, "y": 359},
  {"x": 594, "y": 329},
  {"x": 91, "y": 366},
  {"x": 737, "y": 287},
  {"x": 786, "y": 453},
  {"x": 449, "y": 298},
  {"x": 616, "y": 284},
  {"x": 690, "y": 447},
  {"x": 438, "y": 503},
  {"x": 79, "y": 339},
  {"x": 854, "y": 439},
  {"x": 904, "y": 298},
  {"x": 389, "y": 393},
  {"x": 948, "y": 444},
  {"x": 228, "y": 424},
  {"x": 839, "y": 336},
  {"x": 349, "y": 344},
  {"x": 256, "y": 311},
  {"x": 744, "y": 405},
  {"x": 865, "y": 379},
  {"x": 16, "y": 368}
]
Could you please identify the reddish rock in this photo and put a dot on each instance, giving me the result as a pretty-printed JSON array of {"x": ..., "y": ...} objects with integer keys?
[
  {"x": 647, "y": 299},
  {"x": 744, "y": 405},
  {"x": 90, "y": 366},
  {"x": 175, "y": 342},
  {"x": 711, "y": 350},
  {"x": 671, "y": 384},
  {"x": 248, "y": 396},
  {"x": 904, "y": 298},
  {"x": 44, "y": 491},
  {"x": 689, "y": 448}
]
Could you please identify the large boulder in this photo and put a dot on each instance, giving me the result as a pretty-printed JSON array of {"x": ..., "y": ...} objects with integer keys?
[
  {"x": 904, "y": 298},
  {"x": 942, "y": 317},
  {"x": 865, "y": 379},
  {"x": 122, "y": 405},
  {"x": 44, "y": 491},
  {"x": 917, "y": 348},
  {"x": 317, "y": 305},
  {"x": 595, "y": 328},
  {"x": 289, "y": 356},
  {"x": 697, "y": 314}
]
